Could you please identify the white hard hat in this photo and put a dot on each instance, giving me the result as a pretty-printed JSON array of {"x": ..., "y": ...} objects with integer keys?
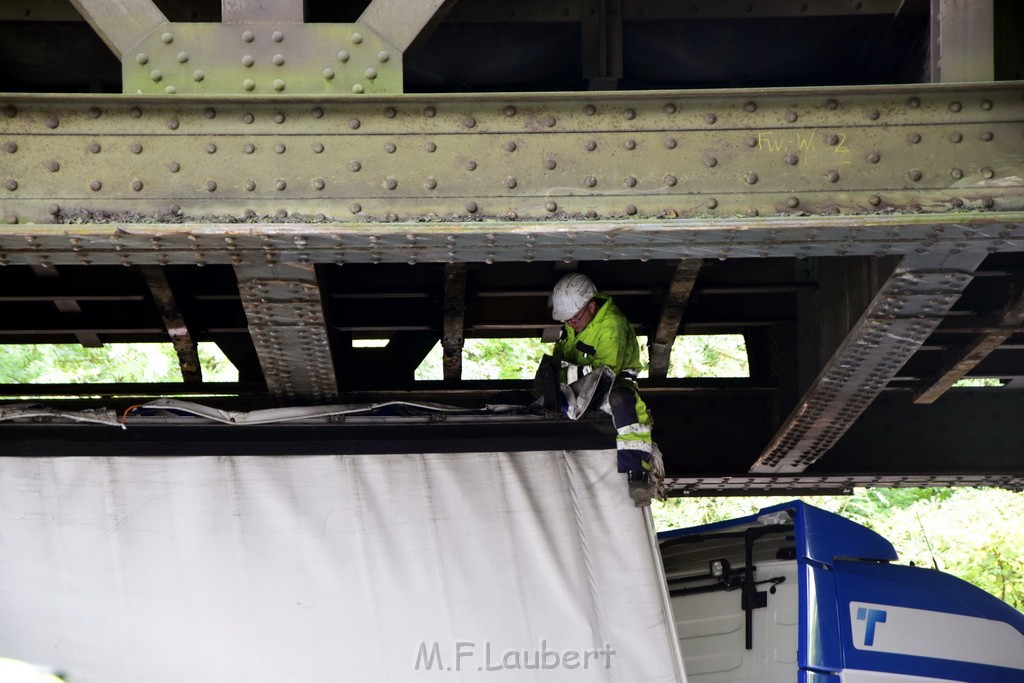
[{"x": 570, "y": 294}]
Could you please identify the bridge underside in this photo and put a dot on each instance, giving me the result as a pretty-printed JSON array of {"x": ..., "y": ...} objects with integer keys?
[{"x": 291, "y": 186}]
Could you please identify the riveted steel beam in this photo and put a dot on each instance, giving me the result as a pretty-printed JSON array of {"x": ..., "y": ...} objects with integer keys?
[
  {"x": 453, "y": 337},
  {"x": 672, "y": 309},
  {"x": 906, "y": 310},
  {"x": 404, "y": 23},
  {"x": 1009, "y": 322},
  {"x": 490, "y": 242},
  {"x": 121, "y": 24},
  {"x": 286, "y": 321},
  {"x": 174, "y": 322},
  {"x": 261, "y": 59},
  {"x": 839, "y": 484},
  {"x": 553, "y": 158}
]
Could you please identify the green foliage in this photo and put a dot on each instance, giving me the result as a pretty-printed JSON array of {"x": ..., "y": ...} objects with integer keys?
[
  {"x": 110, "y": 363},
  {"x": 697, "y": 355},
  {"x": 709, "y": 355},
  {"x": 430, "y": 367},
  {"x": 216, "y": 366},
  {"x": 972, "y": 533},
  {"x": 703, "y": 355},
  {"x": 979, "y": 382},
  {"x": 489, "y": 359},
  {"x": 510, "y": 358}
]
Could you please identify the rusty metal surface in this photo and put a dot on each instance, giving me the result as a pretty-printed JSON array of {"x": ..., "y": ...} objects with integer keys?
[
  {"x": 286, "y": 320},
  {"x": 906, "y": 310},
  {"x": 163, "y": 296},
  {"x": 676, "y": 299},
  {"x": 260, "y": 60},
  {"x": 453, "y": 335},
  {"x": 798, "y": 485},
  {"x": 559, "y": 157},
  {"x": 201, "y": 244}
]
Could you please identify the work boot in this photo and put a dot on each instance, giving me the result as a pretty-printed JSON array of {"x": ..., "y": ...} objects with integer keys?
[{"x": 641, "y": 487}]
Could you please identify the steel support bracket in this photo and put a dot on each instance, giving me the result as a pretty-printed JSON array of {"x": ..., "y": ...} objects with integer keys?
[
  {"x": 262, "y": 59},
  {"x": 904, "y": 313},
  {"x": 286, "y": 320}
]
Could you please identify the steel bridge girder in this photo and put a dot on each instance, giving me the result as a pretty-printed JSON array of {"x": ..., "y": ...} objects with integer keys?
[{"x": 560, "y": 157}]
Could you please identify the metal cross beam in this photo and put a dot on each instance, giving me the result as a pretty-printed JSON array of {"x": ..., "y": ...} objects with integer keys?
[
  {"x": 286, "y": 321},
  {"x": 678, "y": 295},
  {"x": 130, "y": 243},
  {"x": 177, "y": 330},
  {"x": 453, "y": 338},
  {"x": 962, "y": 47},
  {"x": 1008, "y": 324},
  {"x": 602, "y": 45},
  {"x": 404, "y": 23},
  {"x": 793, "y": 485},
  {"x": 121, "y": 24},
  {"x": 907, "y": 309}
]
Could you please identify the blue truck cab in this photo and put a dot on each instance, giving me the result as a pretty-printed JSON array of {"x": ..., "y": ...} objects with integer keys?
[{"x": 797, "y": 594}]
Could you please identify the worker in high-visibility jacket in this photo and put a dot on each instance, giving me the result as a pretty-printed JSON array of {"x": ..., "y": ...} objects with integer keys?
[{"x": 595, "y": 333}]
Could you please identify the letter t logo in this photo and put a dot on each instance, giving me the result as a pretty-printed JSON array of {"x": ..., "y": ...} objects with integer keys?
[{"x": 872, "y": 617}]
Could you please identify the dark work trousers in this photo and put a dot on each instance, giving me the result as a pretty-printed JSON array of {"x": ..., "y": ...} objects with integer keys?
[{"x": 633, "y": 426}]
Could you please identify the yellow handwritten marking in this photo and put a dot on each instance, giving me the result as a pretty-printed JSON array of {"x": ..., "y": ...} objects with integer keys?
[
  {"x": 801, "y": 142},
  {"x": 773, "y": 145},
  {"x": 840, "y": 148},
  {"x": 805, "y": 144}
]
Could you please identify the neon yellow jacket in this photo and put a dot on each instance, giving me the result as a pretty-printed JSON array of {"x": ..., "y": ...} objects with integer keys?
[{"x": 608, "y": 340}]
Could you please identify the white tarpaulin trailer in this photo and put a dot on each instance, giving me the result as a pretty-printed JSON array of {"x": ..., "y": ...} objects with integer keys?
[{"x": 527, "y": 566}]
